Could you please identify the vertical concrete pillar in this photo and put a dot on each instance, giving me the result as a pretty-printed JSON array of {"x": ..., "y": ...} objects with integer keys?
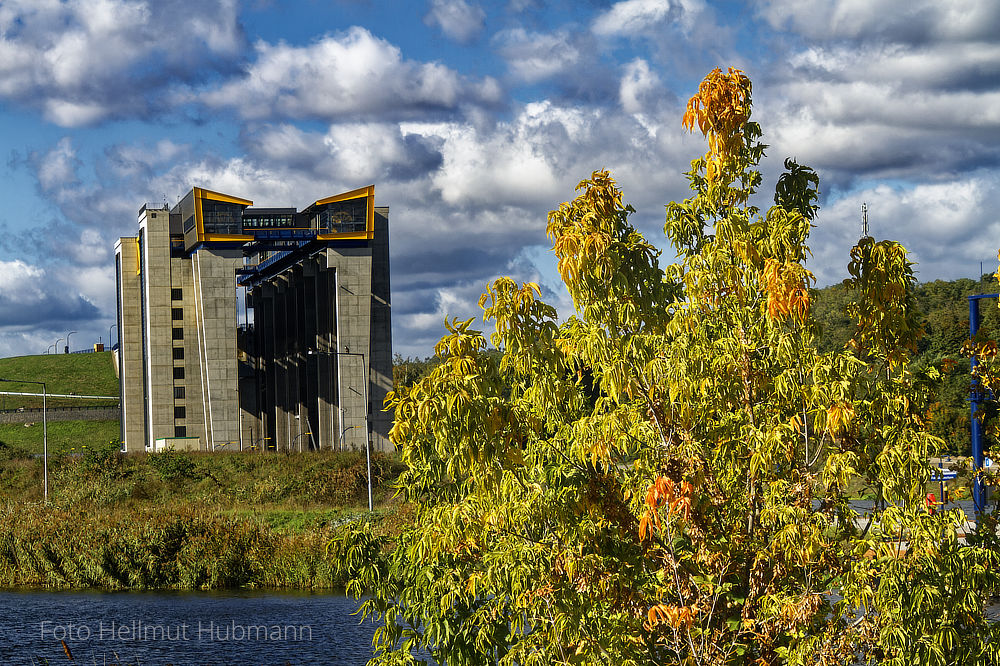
[
  {"x": 154, "y": 255},
  {"x": 281, "y": 397},
  {"x": 325, "y": 344},
  {"x": 133, "y": 415},
  {"x": 352, "y": 314},
  {"x": 264, "y": 332},
  {"x": 310, "y": 360},
  {"x": 381, "y": 333}
]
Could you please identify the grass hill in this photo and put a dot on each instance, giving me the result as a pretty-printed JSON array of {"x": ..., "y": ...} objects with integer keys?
[{"x": 81, "y": 374}]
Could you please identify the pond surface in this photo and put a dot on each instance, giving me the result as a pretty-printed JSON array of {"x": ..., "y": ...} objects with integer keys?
[{"x": 181, "y": 628}]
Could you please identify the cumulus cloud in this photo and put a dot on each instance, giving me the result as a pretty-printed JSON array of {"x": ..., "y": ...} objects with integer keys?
[
  {"x": 457, "y": 19},
  {"x": 353, "y": 151},
  {"x": 947, "y": 227},
  {"x": 854, "y": 130},
  {"x": 630, "y": 17},
  {"x": 83, "y": 61},
  {"x": 139, "y": 161},
  {"x": 57, "y": 172},
  {"x": 57, "y": 168},
  {"x": 904, "y": 90},
  {"x": 344, "y": 76},
  {"x": 534, "y": 57},
  {"x": 29, "y": 298},
  {"x": 640, "y": 86},
  {"x": 906, "y": 21}
]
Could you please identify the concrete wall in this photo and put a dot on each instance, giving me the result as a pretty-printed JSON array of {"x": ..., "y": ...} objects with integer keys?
[
  {"x": 61, "y": 414},
  {"x": 130, "y": 350},
  {"x": 381, "y": 333},
  {"x": 187, "y": 392},
  {"x": 214, "y": 276},
  {"x": 154, "y": 225},
  {"x": 352, "y": 268}
]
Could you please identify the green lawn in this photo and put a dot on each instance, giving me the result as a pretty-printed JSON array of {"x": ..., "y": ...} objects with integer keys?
[
  {"x": 64, "y": 436},
  {"x": 83, "y": 374}
]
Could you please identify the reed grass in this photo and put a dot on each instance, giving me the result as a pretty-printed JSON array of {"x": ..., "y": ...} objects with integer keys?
[
  {"x": 180, "y": 520},
  {"x": 186, "y": 548}
]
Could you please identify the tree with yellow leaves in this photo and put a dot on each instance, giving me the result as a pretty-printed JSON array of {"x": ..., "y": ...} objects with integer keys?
[{"x": 662, "y": 478}]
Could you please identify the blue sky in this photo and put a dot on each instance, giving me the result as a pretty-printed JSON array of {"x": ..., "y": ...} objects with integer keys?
[{"x": 473, "y": 120}]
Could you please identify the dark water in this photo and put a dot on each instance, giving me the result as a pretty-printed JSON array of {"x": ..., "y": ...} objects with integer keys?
[{"x": 181, "y": 628}]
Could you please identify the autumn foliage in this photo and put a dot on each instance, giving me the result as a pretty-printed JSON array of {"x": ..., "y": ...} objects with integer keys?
[{"x": 663, "y": 477}]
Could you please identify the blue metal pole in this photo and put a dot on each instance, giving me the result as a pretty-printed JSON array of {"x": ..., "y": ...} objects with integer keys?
[{"x": 975, "y": 397}]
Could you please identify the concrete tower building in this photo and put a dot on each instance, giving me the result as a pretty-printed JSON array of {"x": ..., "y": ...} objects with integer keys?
[{"x": 243, "y": 327}]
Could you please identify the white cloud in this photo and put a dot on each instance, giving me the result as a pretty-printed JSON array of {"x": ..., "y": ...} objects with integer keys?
[
  {"x": 534, "y": 57},
  {"x": 630, "y": 17},
  {"x": 20, "y": 283},
  {"x": 96, "y": 283},
  {"x": 31, "y": 296},
  {"x": 457, "y": 19},
  {"x": 66, "y": 113},
  {"x": 57, "y": 168},
  {"x": 509, "y": 165},
  {"x": 942, "y": 66},
  {"x": 910, "y": 21},
  {"x": 346, "y": 75},
  {"x": 904, "y": 90},
  {"x": 947, "y": 227},
  {"x": 366, "y": 151},
  {"x": 535, "y": 159},
  {"x": 139, "y": 160},
  {"x": 82, "y": 61},
  {"x": 862, "y": 130},
  {"x": 639, "y": 85},
  {"x": 91, "y": 248}
]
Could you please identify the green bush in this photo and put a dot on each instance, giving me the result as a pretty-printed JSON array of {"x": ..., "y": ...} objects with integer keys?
[
  {"x": 102, "y": 459},
  {"x": 172, "y": 465}
]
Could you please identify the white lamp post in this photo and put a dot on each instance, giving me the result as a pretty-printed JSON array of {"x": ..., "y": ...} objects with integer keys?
[{"x": 340, "y": 393}]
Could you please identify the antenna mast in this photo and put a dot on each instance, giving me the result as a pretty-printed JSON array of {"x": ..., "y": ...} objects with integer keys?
[{"x": 864, "y": 219}]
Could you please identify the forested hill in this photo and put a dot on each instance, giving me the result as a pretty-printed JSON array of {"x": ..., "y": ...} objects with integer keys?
[{"x": 945, "y": 315}]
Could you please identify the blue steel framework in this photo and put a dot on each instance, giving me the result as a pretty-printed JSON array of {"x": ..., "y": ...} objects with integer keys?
[{"x": 977, "y": 396}]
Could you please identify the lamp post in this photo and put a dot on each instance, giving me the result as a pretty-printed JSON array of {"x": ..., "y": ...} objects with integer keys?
[
  {"x": 296, "y": 438},
  {"x": 67, "y": 340},
  {"x": 45, "y": 434},
  {"x": 113, "y": 326},
  {"x": 340, "y": 392}
]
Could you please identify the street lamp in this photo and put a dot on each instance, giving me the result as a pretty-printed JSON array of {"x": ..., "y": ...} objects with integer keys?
[
  {"x": 296, "y": 438},
  {"x": 340, "y": 401},
  {"x": 67, "y": 340},
  {"x": 261, "y": 441},
  {"x": 45, "y": 434},
  {"x": 113, "y": 326}
]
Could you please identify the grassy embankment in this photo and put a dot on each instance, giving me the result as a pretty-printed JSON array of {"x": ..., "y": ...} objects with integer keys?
[
  {"x": 81, "y": 374},
  {"x": 171, "y": 520}
]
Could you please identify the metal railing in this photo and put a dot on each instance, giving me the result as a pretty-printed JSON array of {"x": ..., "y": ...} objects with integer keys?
[{"x": 50, "y": 410}]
